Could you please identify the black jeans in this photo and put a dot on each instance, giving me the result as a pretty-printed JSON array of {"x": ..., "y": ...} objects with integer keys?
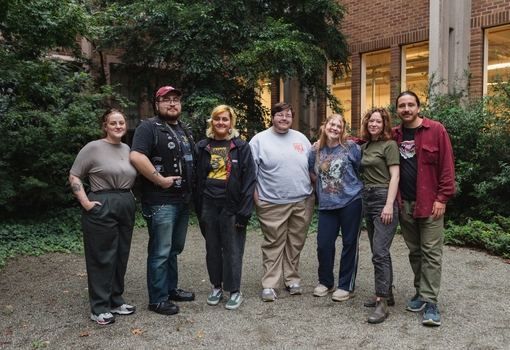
[
  {"x": 380, "y": 236},
  {"x": 224, "y": 244}
]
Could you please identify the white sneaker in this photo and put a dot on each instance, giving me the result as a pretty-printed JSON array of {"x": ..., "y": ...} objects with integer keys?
[
  {"x": 342, "y": 295},
  {"x": 268, "y": 294},
  {"x": 104, "y": 318},
  {"x": 321, "y": 290},
  {"x": 124, "y": 309}
]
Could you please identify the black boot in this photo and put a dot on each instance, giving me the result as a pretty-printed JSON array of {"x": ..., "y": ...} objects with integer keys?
[{"x": 381, "y": 312}]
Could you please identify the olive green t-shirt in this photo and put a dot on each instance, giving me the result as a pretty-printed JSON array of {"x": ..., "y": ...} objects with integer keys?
[{"x": 377, "y": 157}]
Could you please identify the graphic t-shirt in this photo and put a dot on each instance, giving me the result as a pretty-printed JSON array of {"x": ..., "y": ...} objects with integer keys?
[
  {"x": 337, "y": 182},
  {"x": 216, "y": 181},
  {"x": 408, "y": 165}
]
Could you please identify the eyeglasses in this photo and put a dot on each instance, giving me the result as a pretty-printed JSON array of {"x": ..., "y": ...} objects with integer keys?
[
  {"x": 283, "y": 116},
  {"x": 175, "y": 101}
]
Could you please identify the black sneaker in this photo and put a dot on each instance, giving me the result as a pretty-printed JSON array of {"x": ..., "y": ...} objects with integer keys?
[
  {"x": 164, "y": 308},
  {"x": 180, "y": 295}
]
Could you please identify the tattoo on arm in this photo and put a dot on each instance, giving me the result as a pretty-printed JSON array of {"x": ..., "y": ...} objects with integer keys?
[{"x": 76, "y": 187}]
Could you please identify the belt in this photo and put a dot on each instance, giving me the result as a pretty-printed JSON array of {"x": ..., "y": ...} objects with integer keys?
[{"x": 118, "y": 190}]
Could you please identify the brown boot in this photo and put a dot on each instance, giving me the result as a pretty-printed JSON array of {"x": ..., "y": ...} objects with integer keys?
[
  {"x": 381, "y": 312},
  {"x": 391, "y": 300}
]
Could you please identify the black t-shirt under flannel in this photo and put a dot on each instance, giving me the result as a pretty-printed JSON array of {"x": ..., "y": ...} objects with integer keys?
[{"x": 408, "y": 165}]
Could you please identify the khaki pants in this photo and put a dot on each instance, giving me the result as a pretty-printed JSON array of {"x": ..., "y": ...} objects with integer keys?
[
  {"x": 285, "y": 227},
  {"x": 424, "y": 238}
]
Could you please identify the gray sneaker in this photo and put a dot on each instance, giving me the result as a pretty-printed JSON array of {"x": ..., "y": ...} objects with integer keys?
[
  {"x": 321, "y": 290},
  {"x": 124, "y": 309},
  {"x": 342, "y": 295},
  {"x": 294, "y": 289},
  {"x": 268, "y": 294},
  {"x": 104, "y": 318},
  {"x": 215, "y": 296},
  {"x": 235, "y": 301}
]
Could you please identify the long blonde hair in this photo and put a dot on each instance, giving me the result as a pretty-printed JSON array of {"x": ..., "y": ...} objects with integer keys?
[
  {"x": 218, "y": 110},
  {"x": 321, "y": 142}
]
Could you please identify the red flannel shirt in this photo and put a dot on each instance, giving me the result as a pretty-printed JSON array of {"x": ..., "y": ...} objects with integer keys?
[{"x": 436, "y": 167}]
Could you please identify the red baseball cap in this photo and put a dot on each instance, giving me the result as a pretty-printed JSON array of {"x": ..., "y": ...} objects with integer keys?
[{"x": 166, "y": 89}]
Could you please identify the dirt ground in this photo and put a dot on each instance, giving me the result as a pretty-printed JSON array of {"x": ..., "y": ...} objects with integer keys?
[{"x": 43, "y": 304}]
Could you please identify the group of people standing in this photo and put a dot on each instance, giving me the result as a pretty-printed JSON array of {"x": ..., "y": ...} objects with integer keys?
[{"x": 407, "y": 170}]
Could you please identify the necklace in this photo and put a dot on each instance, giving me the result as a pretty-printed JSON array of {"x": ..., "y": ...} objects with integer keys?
[
  {"x": 120, "y": 155},
  {"x": 115, "y": 147}
]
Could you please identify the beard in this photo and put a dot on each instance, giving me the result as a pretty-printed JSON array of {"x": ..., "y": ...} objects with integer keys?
[{"x": 170, "y": 117}]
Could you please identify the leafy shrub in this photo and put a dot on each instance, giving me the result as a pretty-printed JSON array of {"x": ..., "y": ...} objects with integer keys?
[
  {"x": 59, "y": 233},
  {"x": 479, "y": 133},
  {"x": 493, "y": 237},
  {"x": 49, "y": 108}
]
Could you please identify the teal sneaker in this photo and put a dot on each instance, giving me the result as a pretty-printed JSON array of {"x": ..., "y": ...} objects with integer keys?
[
  {"x": 215, "y": 297},
  {"x": 415, "y": 304},
  {"x": 235, "y": 301},
  {"x": 431, "y": 315}
]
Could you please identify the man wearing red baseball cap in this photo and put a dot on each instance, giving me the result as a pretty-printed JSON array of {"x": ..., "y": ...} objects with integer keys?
[
  {"x": 162, "y": 152},
  {"x": 166, "y": 90}
]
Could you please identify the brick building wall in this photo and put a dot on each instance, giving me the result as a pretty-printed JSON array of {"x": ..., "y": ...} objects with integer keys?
[
  {"x": 378, "y": 25},
  {"x": 372, "y": 25},
  {"x": 484, "y": 14}
]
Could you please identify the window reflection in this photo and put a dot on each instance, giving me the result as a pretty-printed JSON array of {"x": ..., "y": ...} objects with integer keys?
[
  {"x": 498, "y": 56},
  {"x": 377, "y": 79},
  {"x": 342, "y": 90},
  {"x": 415, "y": 63}
]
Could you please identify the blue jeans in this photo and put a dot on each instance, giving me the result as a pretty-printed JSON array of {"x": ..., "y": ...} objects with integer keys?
[
  {"x": 167, "y": 234},
  {"x": 380, "y": 236},
  {"x": 330, "y": 222},
  {"x": 224, "y": 243}
]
